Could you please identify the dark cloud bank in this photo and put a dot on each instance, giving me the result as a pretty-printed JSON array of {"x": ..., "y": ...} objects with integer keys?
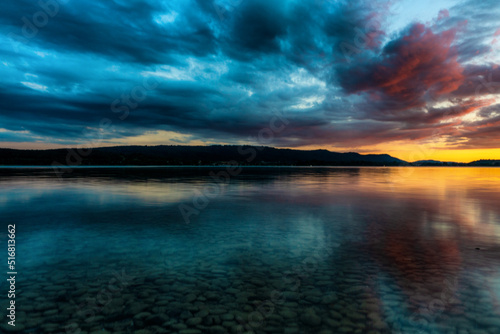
[{"x": 220, "y": 71}]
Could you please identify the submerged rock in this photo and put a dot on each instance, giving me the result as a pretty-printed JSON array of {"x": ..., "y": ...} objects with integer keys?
[{"x": 310, "y": 318}]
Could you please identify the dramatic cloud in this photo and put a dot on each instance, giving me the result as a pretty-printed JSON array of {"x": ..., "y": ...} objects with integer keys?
[
  {"x": 418, "y": 63},
  {"x": 342, "y": 75}
]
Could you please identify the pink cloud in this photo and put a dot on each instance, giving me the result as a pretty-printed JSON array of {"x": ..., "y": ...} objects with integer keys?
[
  {"x": 443, "y": 14},
  {"x": 417, "y": 63}
]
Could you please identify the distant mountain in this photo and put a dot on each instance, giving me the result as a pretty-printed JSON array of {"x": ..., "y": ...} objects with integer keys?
[
  {"x": 477, "y": 163},
  {"x": 485, "y": 163},
  {"x": 193, "y": 155},
  {"x": 436, "y": 163}
]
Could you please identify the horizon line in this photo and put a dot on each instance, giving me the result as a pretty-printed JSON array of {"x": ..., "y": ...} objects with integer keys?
[{"x": 236, "y": 145}]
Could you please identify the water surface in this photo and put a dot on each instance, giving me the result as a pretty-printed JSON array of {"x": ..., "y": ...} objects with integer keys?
[{"x": 269, "y": 250}]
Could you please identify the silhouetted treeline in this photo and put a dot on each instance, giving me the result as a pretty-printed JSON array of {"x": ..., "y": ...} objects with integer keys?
[
  {"x": 192, "y": 155},
  {"x": 209, "y": 155}
]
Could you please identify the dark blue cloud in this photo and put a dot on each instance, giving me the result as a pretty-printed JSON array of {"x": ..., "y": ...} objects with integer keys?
[{"x": 219, "y": 71}]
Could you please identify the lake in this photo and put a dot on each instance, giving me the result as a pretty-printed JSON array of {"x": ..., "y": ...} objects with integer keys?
[{"x": 263, "y": 250}]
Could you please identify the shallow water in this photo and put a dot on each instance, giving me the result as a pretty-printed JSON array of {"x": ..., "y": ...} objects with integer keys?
[{"x": 269, "y": 250}]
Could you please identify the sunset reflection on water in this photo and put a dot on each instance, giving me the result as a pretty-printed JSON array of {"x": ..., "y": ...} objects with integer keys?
[{"x": 382, "y": 249}]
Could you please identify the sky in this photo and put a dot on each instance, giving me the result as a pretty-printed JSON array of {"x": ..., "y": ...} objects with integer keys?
[{"x": 418, "y": 80}]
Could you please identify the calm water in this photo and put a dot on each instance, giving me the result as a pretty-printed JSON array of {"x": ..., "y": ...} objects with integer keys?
[{"x": 273, "y": 250}]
